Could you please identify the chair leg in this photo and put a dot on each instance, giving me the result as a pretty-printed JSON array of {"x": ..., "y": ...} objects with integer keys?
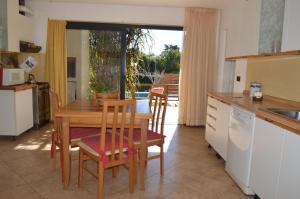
[
  {"x": 80, "y": 168},
  {"x": 131, "y": 175},
  {"x": 54, "y": 158},
  {"x": 100, "y": 180},
  {"x": 146, "y": 159},
  {"x": 162, "y": 160},
  {"x": 115, "y": 171},
  {"x": 135, "y": 166}
]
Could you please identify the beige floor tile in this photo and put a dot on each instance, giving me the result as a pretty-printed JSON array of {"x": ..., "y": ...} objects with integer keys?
[{"x": 191, "y": 171}]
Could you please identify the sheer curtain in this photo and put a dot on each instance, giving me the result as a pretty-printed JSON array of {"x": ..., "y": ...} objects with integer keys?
[
  {"x": 56, "y": 58},
  {"x": 198, "y": 64}
]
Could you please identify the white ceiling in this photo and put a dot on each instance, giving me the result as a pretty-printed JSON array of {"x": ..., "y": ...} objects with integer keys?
[{"x": 167, "y": 3}]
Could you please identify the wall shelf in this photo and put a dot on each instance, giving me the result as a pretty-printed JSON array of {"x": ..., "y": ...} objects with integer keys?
[{"x": 267, "y": 55}]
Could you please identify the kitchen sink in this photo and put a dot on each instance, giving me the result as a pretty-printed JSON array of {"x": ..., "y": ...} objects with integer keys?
[{"x": 291, "y": 114}]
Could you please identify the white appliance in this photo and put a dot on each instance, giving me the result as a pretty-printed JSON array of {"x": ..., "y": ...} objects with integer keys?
[
  {"x": 239, "y": 151},
  {"x": 12, "y": 76}
]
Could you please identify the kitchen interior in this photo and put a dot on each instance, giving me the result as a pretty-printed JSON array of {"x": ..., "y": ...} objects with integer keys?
[{"x": 252, "y": 118}]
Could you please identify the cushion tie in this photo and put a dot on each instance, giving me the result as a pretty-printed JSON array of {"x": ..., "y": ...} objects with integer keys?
[
  {"x": 103, "y": 158},
  {"x": 52, "y": 146},
  {"x": 131, "y": 151}
]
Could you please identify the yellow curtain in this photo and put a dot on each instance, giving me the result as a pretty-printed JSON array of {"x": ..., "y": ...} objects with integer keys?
[
  {"x": 198, "y": 64},
  {"x": 56, "y": 58}
]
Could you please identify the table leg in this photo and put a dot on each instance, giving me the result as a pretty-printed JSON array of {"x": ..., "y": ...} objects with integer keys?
[
  {"x": 144, "y": 127},
  {"x": 66, "y": 155}
]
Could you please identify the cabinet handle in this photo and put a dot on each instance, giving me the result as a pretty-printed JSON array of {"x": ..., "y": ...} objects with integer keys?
[
  {"x": 213, "y": 107},
  {"x": 212, "y": 117},
  {"x": 268, "y": 120},
  {"x": 224, "y": 102},
  {"x": 213, "y": 128}
]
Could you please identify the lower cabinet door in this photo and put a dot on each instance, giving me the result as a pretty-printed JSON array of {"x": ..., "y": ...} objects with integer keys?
[
  {"x": 266, "y": 158},
  {"x": 210, "y": 134},
  {"x": 24, "y": 111},
  {"x": 222, "y": 124},
  {"x": 289, "y": 179}
]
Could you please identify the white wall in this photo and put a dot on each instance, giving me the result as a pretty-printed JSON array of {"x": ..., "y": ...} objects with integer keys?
[
  {"x": 101, "y": 13},
  {"x": 240, "y": 19},
  {"x": 19, "y": 27}
]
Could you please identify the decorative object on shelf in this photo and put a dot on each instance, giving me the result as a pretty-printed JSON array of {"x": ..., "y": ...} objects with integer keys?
[
  {"x": 29, "y": 64},
  {"x": 29, "y": 47}
]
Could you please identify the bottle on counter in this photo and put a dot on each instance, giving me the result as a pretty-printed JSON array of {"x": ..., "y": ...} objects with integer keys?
[{"x": 254, "y": 87}]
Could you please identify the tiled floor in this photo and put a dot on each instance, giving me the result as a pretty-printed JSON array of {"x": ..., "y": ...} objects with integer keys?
[{"x": 191, "y": 171}]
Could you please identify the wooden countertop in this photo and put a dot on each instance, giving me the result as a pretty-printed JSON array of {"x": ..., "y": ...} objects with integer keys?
[
  {"x": 257, "y": 107},
  {"x": 17, "y": 88}
]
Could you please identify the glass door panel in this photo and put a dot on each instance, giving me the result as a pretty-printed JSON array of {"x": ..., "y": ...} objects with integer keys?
[{"x": 105, "y": 60}]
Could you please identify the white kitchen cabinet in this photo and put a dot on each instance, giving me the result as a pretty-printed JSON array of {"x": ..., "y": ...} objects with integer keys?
[
  {"x": 289, "y": 179},
  {"x": 266, "y": 158},
  {"x": 16, "y": 114},
  {"x": 291, "y": 26},
  {"x": 217, "y": 124}
]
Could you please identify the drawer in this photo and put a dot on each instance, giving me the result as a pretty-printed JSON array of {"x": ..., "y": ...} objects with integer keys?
[
  {"x": 212, "y": 110},
  {"x": 210, "y": 127},
  {"x": 213, "y": 102},
  {"x": 211, "y": 120}
]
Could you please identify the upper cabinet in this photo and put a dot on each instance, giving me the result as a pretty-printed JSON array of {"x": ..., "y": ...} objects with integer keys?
[
  {"x": 14, "y": 27},
  {"x": 291, "y": 26},
  {"x": 271, "y": 22}
]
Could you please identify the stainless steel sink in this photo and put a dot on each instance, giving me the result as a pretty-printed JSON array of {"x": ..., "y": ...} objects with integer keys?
[{"x": 291, "y": 114}]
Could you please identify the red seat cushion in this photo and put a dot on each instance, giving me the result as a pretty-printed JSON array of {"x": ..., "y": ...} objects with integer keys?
[
  {"x": 150, "y": 135},
  {"x": 78, "y": 133},
  {"x": 93, "y": 142}
]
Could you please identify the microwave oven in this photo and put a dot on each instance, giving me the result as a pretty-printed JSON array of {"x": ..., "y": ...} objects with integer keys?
[{"x": 11, "y": 76}]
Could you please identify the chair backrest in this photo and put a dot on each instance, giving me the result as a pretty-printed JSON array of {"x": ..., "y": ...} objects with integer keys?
[
  {"x": 55, "y": 106},
  {"x": 118, "y": 115},
  {"x": 103, "y": 96},
  {"x": 158, "y": 103}
]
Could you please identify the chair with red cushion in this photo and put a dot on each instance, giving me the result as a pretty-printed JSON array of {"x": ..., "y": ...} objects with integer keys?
[
  {"x": 155, "y": 135},
  {"x": 110, "y": 149},
  {"x": 75, "y": 133}
]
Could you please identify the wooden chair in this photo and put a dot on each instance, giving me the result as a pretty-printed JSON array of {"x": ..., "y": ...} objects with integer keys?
[
  {"x": 110, "y": 149},
  {"x": 75, "y": 133},
  {"x": 155, "y": 135}
]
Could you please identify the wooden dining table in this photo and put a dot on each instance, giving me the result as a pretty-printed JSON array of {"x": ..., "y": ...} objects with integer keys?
[{"x": 88, "y": 113}]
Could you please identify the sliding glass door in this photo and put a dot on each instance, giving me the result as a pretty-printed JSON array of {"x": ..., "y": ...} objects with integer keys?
[
  {"x": 105, "y": 60},
  {"x": 96, "y": 62}
]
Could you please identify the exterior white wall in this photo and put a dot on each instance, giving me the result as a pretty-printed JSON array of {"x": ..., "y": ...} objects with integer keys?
[
  {"x": 74, "y": 50},
  {"x": 85, "y": 62},
  {"x": 78, "y": 46}
]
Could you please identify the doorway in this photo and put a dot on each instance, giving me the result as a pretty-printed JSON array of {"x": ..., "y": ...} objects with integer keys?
[{"x": 103, "y": 54}]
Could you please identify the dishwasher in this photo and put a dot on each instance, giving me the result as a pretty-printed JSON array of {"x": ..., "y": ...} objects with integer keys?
[{"x": 239, "y": 151}]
